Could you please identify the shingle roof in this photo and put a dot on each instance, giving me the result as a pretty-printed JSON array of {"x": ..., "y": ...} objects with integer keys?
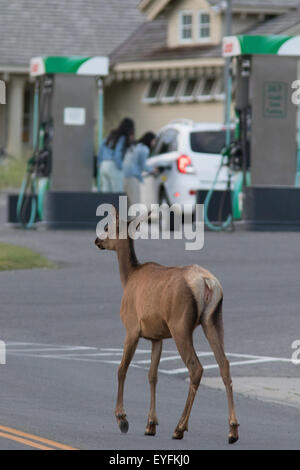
[
  {"x": 243, "y": 4},
  {"x": 262, "y": 3},
  {"x": 278, "y": 25},
  {"x": 64, "y": 27},
  {"x": 149, "y": 41},
  {"x": 142, "y": 44}
]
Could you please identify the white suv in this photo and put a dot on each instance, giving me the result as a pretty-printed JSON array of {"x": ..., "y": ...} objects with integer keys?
[{"x": 188, "y": 156}]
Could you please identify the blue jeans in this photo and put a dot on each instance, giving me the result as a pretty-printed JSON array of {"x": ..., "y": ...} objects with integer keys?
[{"x": 111, "y": 178}]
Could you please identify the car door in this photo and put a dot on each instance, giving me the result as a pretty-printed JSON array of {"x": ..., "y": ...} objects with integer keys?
[{"x": 164, "y": 155}]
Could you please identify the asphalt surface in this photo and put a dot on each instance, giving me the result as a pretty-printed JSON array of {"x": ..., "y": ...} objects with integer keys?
[{"x": 64, "y": 339}]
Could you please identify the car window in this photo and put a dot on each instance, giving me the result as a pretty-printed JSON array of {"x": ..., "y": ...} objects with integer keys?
[
  {"x": 209, "y": 141},
  {"x": 166, "y": 142}
]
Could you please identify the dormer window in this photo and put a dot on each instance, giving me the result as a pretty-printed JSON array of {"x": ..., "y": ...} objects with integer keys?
[
  {"x": 194, "y": 27},
  {"x": 186, "y": 26},
  {"x": 203, "y": 26}
]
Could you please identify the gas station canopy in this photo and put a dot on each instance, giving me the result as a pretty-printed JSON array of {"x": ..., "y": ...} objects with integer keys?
[
  {"x": 268, "y": 45},
  {"x": 75, "y": 65}
]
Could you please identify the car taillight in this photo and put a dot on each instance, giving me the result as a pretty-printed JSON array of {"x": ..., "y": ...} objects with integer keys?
[{"x": 184, "y": 164}]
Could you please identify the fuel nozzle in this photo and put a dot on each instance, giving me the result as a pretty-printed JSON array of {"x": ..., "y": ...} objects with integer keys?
[{"x": 233, "y": 156}]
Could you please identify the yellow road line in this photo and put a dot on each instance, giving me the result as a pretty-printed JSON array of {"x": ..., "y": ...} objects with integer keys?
[
  {"x": 24, "y": 441},
  {"x": 21, "y": 434}
]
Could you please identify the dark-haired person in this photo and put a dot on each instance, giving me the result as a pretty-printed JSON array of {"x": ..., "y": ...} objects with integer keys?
[
  {"x": 135, "y": 163},
  {"x": 111, "y": 154}
]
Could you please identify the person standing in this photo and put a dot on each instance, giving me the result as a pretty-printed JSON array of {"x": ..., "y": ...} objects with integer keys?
[
  {"x": 135, "y": 163},
  {"x": 111, "y": 154}
]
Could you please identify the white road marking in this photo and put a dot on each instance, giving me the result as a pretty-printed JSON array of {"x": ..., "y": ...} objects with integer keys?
[
  {"x": 113, "y": 356},
  {"x": 184, "y": 370},
  {"x": 77, "y": 348}
]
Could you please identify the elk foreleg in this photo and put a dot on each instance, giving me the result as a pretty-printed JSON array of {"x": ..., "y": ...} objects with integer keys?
[{"x": 130, "y": 345}]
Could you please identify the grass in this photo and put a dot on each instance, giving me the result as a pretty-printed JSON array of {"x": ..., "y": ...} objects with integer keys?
[
  {"x": 12, "y": 172},
  {"x": 17, "y": 257}
]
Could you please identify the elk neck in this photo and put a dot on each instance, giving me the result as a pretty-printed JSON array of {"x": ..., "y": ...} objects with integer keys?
[{"x": 127, "y": 260}]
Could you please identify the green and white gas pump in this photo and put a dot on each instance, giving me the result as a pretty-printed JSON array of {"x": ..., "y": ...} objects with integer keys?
[
  {"x": 268, "y": 148},
  {"x": 63, "y": 130}
]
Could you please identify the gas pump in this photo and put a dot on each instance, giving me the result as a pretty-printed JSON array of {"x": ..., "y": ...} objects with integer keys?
[
  {"x": 36, "y": 181},
  {"x": 268, "y": 120},
  {"x": 63, "y": 132}
]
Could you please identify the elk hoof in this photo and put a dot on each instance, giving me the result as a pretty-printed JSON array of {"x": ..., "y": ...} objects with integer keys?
[
  {"x": 151, "y": 429},
  {"x": 150, "y": 432},
  {"x": 124, "y": 425},
  {"x": 232, "y": 439},
  {"x": 233, "y": 433},
  {"x": 178, "y": 434},
  {"x": 122, "y": 422}
]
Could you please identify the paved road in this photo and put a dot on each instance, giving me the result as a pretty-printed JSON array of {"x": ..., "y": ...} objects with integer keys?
[{"x": 64, "y": 339}]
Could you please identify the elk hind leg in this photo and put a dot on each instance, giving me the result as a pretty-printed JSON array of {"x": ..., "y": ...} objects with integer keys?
[
  {"x": 189, "y": 357},
  {"x": 152, "y": 417},
  {"x": 212, "y": 325}
]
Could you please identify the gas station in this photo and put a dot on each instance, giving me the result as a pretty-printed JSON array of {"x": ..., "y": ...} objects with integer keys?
[{"x": 61, "y": 187}]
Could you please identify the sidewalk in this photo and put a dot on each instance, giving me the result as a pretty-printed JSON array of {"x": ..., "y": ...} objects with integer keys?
[{"x": 284, "y": 391}]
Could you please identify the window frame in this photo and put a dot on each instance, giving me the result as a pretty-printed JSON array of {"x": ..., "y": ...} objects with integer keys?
[
  {"x": 170, "y": 99},
  {"x": 219, "y": 95},
  {"x": 200, "y": 96},
  {"x": 202, "y": 39},
  {"x": 155, "y": 99},
  {"x": 188, "y": 98},
  {"x": 161, "y": 142},
  {"x": 182, "y": 40}
]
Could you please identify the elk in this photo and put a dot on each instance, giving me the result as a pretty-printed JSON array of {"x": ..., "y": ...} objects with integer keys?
[{"x": 161, "y": 302}]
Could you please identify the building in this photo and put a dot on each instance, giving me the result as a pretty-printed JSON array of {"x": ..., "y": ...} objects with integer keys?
[
  {"x": 171, "y": 66},
  {"x": 165, "y": 54}
]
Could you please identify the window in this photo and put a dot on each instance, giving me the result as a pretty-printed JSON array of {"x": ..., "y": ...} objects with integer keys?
[
  {"x": 186, "y": 26},
  {"x": 208, "y": 86},
  {"x": 166, "y": 142},
  {"x": 171, "y": 88},
  {"x": 203, "y": 26},
  {"x": 183, "y": 90},
  {"x": 188, "y": 89},
  {"x": 206, "y": 89},
  {"x": 219, "y": 90},
  {"x": 209, "y": 141},
  {"x": 153, "y": 91}
]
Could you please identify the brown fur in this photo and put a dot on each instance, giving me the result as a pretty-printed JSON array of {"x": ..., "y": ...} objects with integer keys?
[{"x": 161, "y": 302}]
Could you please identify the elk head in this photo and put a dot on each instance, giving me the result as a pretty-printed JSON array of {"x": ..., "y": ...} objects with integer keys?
[{"x": 116, "y": 233}]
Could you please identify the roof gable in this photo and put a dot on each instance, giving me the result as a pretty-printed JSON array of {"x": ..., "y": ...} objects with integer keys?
[{"x": 152, "y": 8}]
